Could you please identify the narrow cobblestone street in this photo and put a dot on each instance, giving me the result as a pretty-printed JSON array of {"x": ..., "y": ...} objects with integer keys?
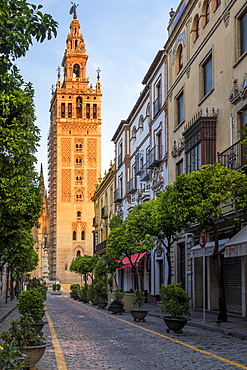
[{"x": 88, "y": 338}]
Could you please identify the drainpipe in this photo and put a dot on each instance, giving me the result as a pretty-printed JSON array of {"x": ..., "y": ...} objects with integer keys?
[{"x": 231, "y": 128}]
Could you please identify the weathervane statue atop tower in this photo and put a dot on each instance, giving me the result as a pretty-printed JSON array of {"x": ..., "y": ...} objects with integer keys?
[{"x": 73, "y": 10}]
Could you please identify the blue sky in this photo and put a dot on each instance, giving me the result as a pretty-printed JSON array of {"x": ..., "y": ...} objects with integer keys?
[{"x": 122, "y": 38}]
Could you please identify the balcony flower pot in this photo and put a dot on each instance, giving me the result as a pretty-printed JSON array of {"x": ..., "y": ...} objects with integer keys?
[{"x": 175, "y": 301}]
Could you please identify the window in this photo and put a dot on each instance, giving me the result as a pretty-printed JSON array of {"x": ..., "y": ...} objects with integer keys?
[
  {"x": 79, "y": 162},
  {"x": 180, "y": 58},
  {"x": 78, "y": 253},
  {"x": 83, "y": 235},
  {"x": 78, "y": 215},
  {"x": 140, "y": 123},
  {"x": 208, "y": 76},
  {"x": 179, "y": 168},
  {"x": 217, "y": 4},
  {"x": 243, "y": 32},
  {"x": 70, "y": 110},
  {"x": 63, "y": 110},
  {"x": 157, "y": 98},
  {"x": 180, "y": 108},
  {"x": 79, "y": 147},
  {"x": 134, "y": 133},
  {"x": 87, "y": 110},
  {"x": 74, "y": 235},
  {"x": 200, "y": 142},
  {"x": 207, "y": 14},
  {"x": 76, "y": 70},
  {"x": 196, "y": 28},
  {"x": 79, "y": 107},
  {"x": 95, "y": 111},
  {"x": 120, "y": 154}
]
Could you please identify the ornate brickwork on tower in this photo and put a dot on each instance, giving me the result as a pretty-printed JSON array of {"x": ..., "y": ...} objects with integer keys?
[{"x": 74, "y": 158}]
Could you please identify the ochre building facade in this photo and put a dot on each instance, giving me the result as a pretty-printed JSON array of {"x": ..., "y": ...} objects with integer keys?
[{"x": 74, "y": 147}]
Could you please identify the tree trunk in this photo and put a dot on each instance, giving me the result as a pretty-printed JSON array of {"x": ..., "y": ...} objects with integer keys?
[
  {"x": 222, "y": 315},
  {"x": 7, "y": 285},
  {"x": 11, "y": 285}
]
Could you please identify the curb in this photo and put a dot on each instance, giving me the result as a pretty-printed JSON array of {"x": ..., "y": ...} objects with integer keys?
[
  {"x": 4, "y": 316},
  {"x": 208, "y": 327}
]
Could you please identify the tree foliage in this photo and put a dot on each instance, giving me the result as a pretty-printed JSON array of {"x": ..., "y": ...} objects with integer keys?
[
  {"x": 84, "y": 265},
  {"x": 20, "y": 191}
]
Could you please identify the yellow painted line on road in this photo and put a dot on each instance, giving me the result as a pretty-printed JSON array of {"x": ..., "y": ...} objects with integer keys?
[
  {"x": 172, "y": 339},
  {"x": 61, "y": 364}
]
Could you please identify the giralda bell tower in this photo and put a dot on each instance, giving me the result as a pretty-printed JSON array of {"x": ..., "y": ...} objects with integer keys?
[{"x": 74, "y": 149}]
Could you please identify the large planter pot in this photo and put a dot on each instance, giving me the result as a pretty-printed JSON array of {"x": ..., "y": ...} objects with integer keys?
[
  {"x": 174, "y": 324},
  {"x": 127, "y": 300},
  {"x": 139, "y": 315},
  {"x": 102, "y": 304},
  {"x": 38, "y": 325},
  {"x": 116, "y": 309},
  {"x": 33, "y": 354}
]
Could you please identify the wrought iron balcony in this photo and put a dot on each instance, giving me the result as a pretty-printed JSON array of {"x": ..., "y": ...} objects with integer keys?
[
  {"x": 154, "y": 156},
  {"x": 234, "y": 157},
  {"x": 100, "y": 247},
  {"x": 144, "y": 176},
  {"x": 157, "y": 105},
  {"x": 131, "y": 186},
  {"x": 118, "y": 195},
  {"x": 104, "y": 212}
]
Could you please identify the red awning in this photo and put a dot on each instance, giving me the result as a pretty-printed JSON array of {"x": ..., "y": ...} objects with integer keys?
[{"x": 135, "y": 258}]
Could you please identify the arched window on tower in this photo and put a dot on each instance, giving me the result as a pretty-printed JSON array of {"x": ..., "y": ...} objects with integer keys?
[
  {"x": 95, "y": 111},
  {"x": 78, "y": 107},
  {"x": 74, "y": 235},
  {"x": 69, "y": 110},
  {"x": 63, "y": 110},
  {"x": 83, "y": 235},
  {"x": 78, "y": 215},
  {"x": 78, "y": 253},
  {"x": 76, "y": 70},
  {"x": 88, "y": 111}
]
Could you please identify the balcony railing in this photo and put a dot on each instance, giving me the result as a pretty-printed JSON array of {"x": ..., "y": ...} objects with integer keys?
[
  {"x": 144, "y": 176},
  {"x": 104, "y": 212},
  {"x": 154, "y": 156},
  {"x": 157, "y": 105},
  {"x": 118, "y": 195},
  {"x": 131, "y": 186},
  {"x": 233, "y": 157},
  {"x": 100, "y": 247}
]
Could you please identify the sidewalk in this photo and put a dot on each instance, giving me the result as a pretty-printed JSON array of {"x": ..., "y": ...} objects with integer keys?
[
  {"x": 236, "y": 325},
  {"x": 7, "y": 308}
]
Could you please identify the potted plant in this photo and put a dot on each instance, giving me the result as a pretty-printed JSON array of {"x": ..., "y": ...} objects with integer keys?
[
  {"x": 101, "y": 293},
  {"x": 117, "y": 305},
  {"x": 39, "y": 285},
  {"x": 31, "y": 302},
  {"x": 83, "y": 294},
  {"x": 140, "y": 314},
  {"x": 75, "y": 289},
  {"x": 25, "y": 340},
  {"x": 11, "y": 357},
  {"x": 56, "y": 289},
  {"x": 175, "y": 301}
]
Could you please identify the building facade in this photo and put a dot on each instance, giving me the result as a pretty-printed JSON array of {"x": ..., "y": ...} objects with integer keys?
[
  {"x": 74, "y": 157},
  {"x": 104, "y": 210},
  {"x": 207, "y": 96},
  {"x": 141, "y": 168}
]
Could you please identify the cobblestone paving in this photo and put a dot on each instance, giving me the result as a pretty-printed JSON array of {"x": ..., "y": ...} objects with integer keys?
[{"x": 90, "y": 339}]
